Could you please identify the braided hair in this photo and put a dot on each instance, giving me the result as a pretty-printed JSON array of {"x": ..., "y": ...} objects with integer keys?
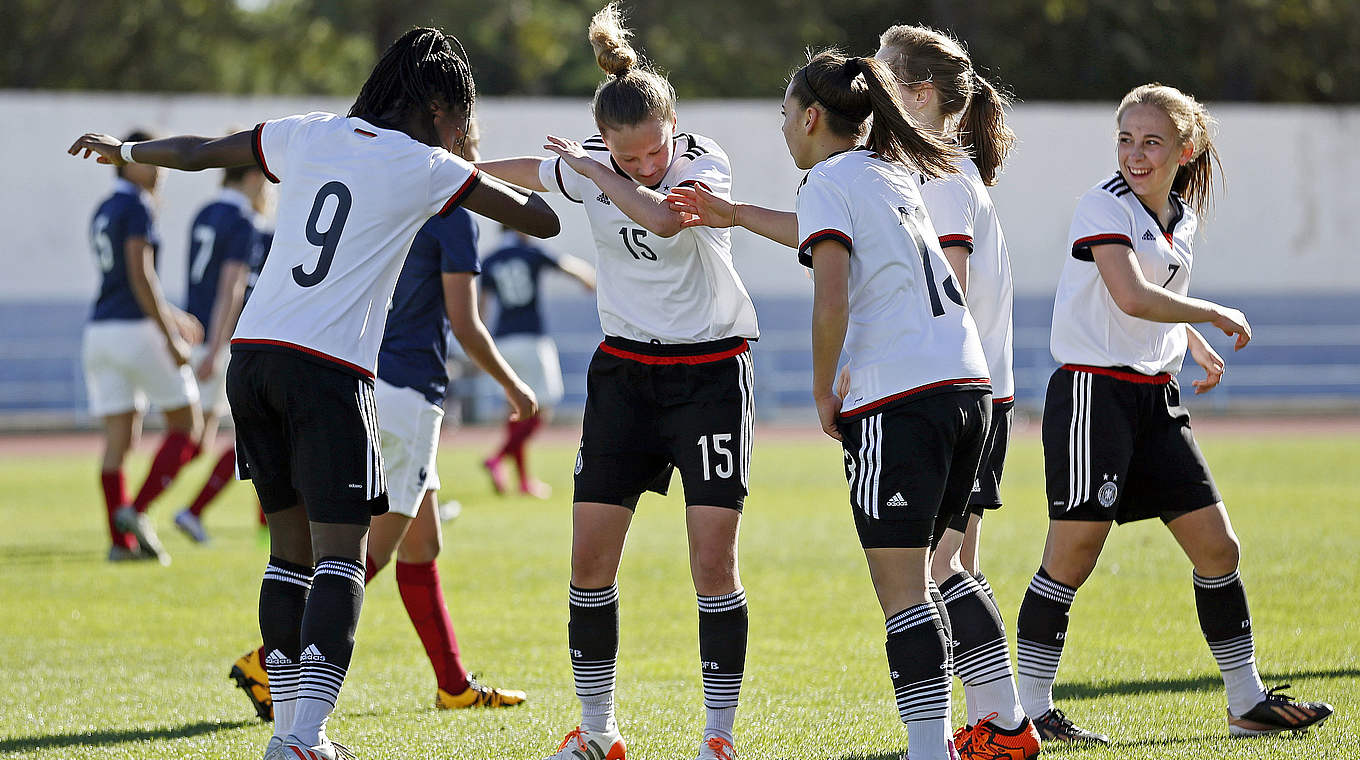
[{"x": 421, "y": 67}]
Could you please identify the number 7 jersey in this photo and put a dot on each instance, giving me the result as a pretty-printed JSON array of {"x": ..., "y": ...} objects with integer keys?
[
  {"x": 681, "y": 289},
  {"x": 351, "y": 199}
]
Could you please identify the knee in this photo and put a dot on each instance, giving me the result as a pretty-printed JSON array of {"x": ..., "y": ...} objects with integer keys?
[
  {"x": 419, "y": 549},
  {"x": 715, "y": 576},
  {"x": 1222, "y": 558},
  {"x": 1071, "y": 568}
]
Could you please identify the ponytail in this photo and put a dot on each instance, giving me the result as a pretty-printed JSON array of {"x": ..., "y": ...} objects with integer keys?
[
  {"x": 633, "y": 92},
  {"x": 418, "y": 69},
  {"x": 851, "y": 91},
  {"x": 983, "y": 131},
  {"x": 1194, "y": 181}
]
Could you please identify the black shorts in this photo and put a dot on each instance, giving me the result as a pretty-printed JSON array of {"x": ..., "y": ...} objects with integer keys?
[
  {"x": 987, "y": 487},
  {"x": 652, "y": 408},
  {"x": 912, "y": 465},
  {"x": 1118, "y": 446},
  {"x": 306, "y": 433}
]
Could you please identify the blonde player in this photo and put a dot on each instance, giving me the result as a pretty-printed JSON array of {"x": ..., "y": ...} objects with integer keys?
[{"x": 670, "y": 386}]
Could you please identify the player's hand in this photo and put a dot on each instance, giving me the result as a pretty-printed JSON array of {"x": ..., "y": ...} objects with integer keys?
[
  {"x": 179, "y": 350},
  {"x": 571, "y": 152},
  {"x": 1233, "y": 322},
  {"x": 1208, "y": 360},
  {"x": 107, "y": 148},
  {"x": 829, "y": 412},
  {"x": 700, "y": 208},
  {"x": 187, "y": 327},
  {"x": 208, "y": 367},
  {"x": 523, "y": 404},
  {"x": 843, "y": 382}
]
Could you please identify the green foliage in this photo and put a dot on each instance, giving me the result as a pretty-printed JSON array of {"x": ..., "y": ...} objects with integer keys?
[
  {"x": 131, "y": 660},
  {"x": 1250, "y": 50}
]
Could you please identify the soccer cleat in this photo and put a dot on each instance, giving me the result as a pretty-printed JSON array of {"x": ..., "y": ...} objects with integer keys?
[
  {"x": 275, "y": 750},
  {"x": 295, "y": 749},
  {"x": 717, "y": 748},
  {"x": 580, "y": 744},
  {"x": 1054, "y": 726},
  {"x": 988, "y": 741},
  {"x": 250, "y": 676},
  {"x": 129, "y": 520},
  {"x": 477, "y": 695},
  {"x": 534, "y": 488},
  {"x": 1277, "y": 713},
  {"x": 191, "y": 526},
  {"x": 124, "y": 554}
]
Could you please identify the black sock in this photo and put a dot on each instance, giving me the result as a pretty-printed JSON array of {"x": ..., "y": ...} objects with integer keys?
[
  {"x": 1041, "y": 631},
  {"x": 937, "y": 599},
  {"x": 1225, "y": 620},
  {"x": 327, "y": 641},
  {"x": 283, "y": 597},
  {"x": 593, "y": 635},
  {"x": 987, "y": 589},
  {"x": 982, "y": 660},
  {"x": 920, "y": 674},
  {"x": 722, "y": 655}
]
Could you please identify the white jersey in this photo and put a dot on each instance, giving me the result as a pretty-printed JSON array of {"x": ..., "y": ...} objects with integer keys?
[
  {"x": 962, "y": 212},
  {"x": 909, "y": 332},
  {"x": 353, "y": 196},
  {"x": 1089, "y": 328},
  {"x": 681, "y": 289}
]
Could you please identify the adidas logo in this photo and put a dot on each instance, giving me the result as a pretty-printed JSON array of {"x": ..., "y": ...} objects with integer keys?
[
  {"x": 602, "y": 198},
  {"x": 312, "y": 654},
  {"x": 1147, "y": 235},
  {"x": 897, "y": 500},
  {"x": 277, "y": 658}
]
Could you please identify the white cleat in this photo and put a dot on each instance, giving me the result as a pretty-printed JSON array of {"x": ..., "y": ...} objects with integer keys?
[
  {"x": 716, "y": 748},
  {"x": 191, "y": 526},
  {"x": 275, "y": 750},
  {"x": 580, "y": 744},
  {"x": 129, "y": 520},
  {"x": 295, "y": 749}
]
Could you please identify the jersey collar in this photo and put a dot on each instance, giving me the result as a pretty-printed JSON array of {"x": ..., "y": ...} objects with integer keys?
[
  {"x": 236, "y": 198},
  {"x": 121, "y": 185}
]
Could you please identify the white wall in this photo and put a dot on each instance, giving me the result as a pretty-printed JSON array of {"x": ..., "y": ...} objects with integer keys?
[{"x": 1290, "y": 218}]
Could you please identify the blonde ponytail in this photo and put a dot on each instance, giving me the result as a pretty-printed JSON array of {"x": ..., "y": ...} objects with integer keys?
[{"x": 609, "y": 38}]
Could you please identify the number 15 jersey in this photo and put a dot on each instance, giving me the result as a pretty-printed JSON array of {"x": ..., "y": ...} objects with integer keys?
[
  {"x": 353, "y": 196},
  {"x": 681, "y": 289}
]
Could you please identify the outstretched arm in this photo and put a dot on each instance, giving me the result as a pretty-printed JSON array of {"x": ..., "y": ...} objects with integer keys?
[
  {"x": 645, "y": 206},
  {"x": 522, "y": 171},
  {"x": 701, "y": 208},
  {"x": 1137, "y": 297},
  {"x": 186, "y": 152},
  {"x": 523, "y": 211}
]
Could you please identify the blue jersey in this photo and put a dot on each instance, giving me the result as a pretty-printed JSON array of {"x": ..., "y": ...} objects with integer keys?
[
  {"x": 415, "y": 344},
  {"x": 223, "y": 231},
  {"x": 122, "y": 216},
  {"x": 264, "y": 239},
  {"x": 513, "y": 276}
]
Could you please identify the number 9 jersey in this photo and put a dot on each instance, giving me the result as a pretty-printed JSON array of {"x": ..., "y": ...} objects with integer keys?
[
  {"x": 681, "y": 289},
  {"x": 353, "y": 196}
]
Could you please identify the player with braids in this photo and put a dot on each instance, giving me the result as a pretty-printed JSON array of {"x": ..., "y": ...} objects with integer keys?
[
  {"x": 354, "y": 191},
  {"x": 913, "y": 406},
  {"x": 1121, "y": 327},
  {"x": 942, "y": 89},
  {"x": 671, "y": 386}
]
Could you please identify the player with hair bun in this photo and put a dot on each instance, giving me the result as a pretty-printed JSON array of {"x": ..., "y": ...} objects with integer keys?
[
  {"x": 671, "y": 386},
  {"x": 354, "y": 191},
  {"x": 1117, "y": 442}
]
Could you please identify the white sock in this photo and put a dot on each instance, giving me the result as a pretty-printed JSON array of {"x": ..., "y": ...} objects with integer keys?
[
  {"x": 597, "y": 713},
  {"x": 309, "y": 720},
  {"x": 1036, "y": 694},
  {"x": 928, "y": 739},
  {"x": 283, "y": 717},
  {"x": 1244, "y": 688},
  {"x": 996, "y": 697},
  {"x": 720, "y": 722}
]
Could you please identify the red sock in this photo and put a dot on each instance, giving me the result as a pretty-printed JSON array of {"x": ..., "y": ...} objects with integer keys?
[
  {"x": 525, "y": 430},
  {"x": 510, "y": 439},
  {"x": 221, "y": 475},
  {"x": 370, "y": 568},
  {"x": 115, "y": 496},
  {"x": 175, "y": 452},
  {"x": 424, "y": 600}
]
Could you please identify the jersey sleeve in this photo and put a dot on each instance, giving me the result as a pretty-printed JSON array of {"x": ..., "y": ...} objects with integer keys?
[
  {"x": 563, "y": 180},
  {"x": 457, "y": 238},
  {"x": 451, "y": 179},
  {"x": 823, "y": 214},
  {"x": 137, "y": 222},
  {"x": 707, "y": 169},
  {"x": 1100, "y": 219},
  {"x": 952, "y": 208},
  {"x": 240, "y": 244},
  {"x": 272, "y": 141}
]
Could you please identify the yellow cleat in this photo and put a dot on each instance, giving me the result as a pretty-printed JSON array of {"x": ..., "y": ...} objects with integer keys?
[
  {"x": 250, "y": 676},
  {"x": 477, "y": 695}
]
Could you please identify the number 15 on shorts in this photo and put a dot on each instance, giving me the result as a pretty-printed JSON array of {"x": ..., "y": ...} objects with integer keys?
[{"x": 720, "y": 462}]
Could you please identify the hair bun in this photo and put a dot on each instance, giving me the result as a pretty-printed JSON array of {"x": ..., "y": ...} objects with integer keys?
[{"x": 609, "y": 38}]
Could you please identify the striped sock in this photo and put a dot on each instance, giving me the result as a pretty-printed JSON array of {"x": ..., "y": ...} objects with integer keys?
[
  {"x": 987, "y": 589},
  {"x": 327, "y": 640},
  {"x": 1041, "y": 631},
  {"x": 722, "y": 655},
  {"x": 283, "y": 597},
  {"x": 1226, "y": 622},
  {"x": 593, "y": 635},
  {"x": 920, "y": 676},
  {"x": 981, "y": 658}
]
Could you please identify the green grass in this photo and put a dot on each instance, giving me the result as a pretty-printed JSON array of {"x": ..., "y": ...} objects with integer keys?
[{"x": 124, "y": 660}]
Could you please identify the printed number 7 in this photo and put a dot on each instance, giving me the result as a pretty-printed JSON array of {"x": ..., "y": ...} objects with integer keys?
[{"x": 1174, "y": 269}]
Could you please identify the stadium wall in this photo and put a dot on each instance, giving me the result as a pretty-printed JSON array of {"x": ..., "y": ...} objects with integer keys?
[{"x": 1279, "y": 242}]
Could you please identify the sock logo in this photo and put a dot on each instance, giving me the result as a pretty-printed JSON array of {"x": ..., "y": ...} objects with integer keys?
[
  {"x": 575, "y": 654},
  {"x": 897, "y": 500},
  {"x": 277, "y": 658},
  {"x": 312, "y": 654},
  {"x": 706, "y": 665}
]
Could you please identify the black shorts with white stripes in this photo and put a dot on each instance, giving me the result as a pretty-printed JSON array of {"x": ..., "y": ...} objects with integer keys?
[
  {"x": 654, "y": 408},
  {"x": 911, "y": 466},
  {"x": 987, "y": 488},
  {"x": 307, "y": 432},
  {"x": 1118, "y": 446}
]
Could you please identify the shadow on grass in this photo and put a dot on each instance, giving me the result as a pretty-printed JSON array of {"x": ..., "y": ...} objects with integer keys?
[
  {"x": 1198, "y": 683},
  {"x": 96, "y": 738},
  {"x": 12, "y": 554}
]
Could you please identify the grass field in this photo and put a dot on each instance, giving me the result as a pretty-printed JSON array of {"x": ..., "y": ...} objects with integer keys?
[{"x": 100, "y": 660}]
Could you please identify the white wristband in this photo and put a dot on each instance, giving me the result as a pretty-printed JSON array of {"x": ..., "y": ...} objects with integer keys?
[{"x": 126, "y": 152}]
